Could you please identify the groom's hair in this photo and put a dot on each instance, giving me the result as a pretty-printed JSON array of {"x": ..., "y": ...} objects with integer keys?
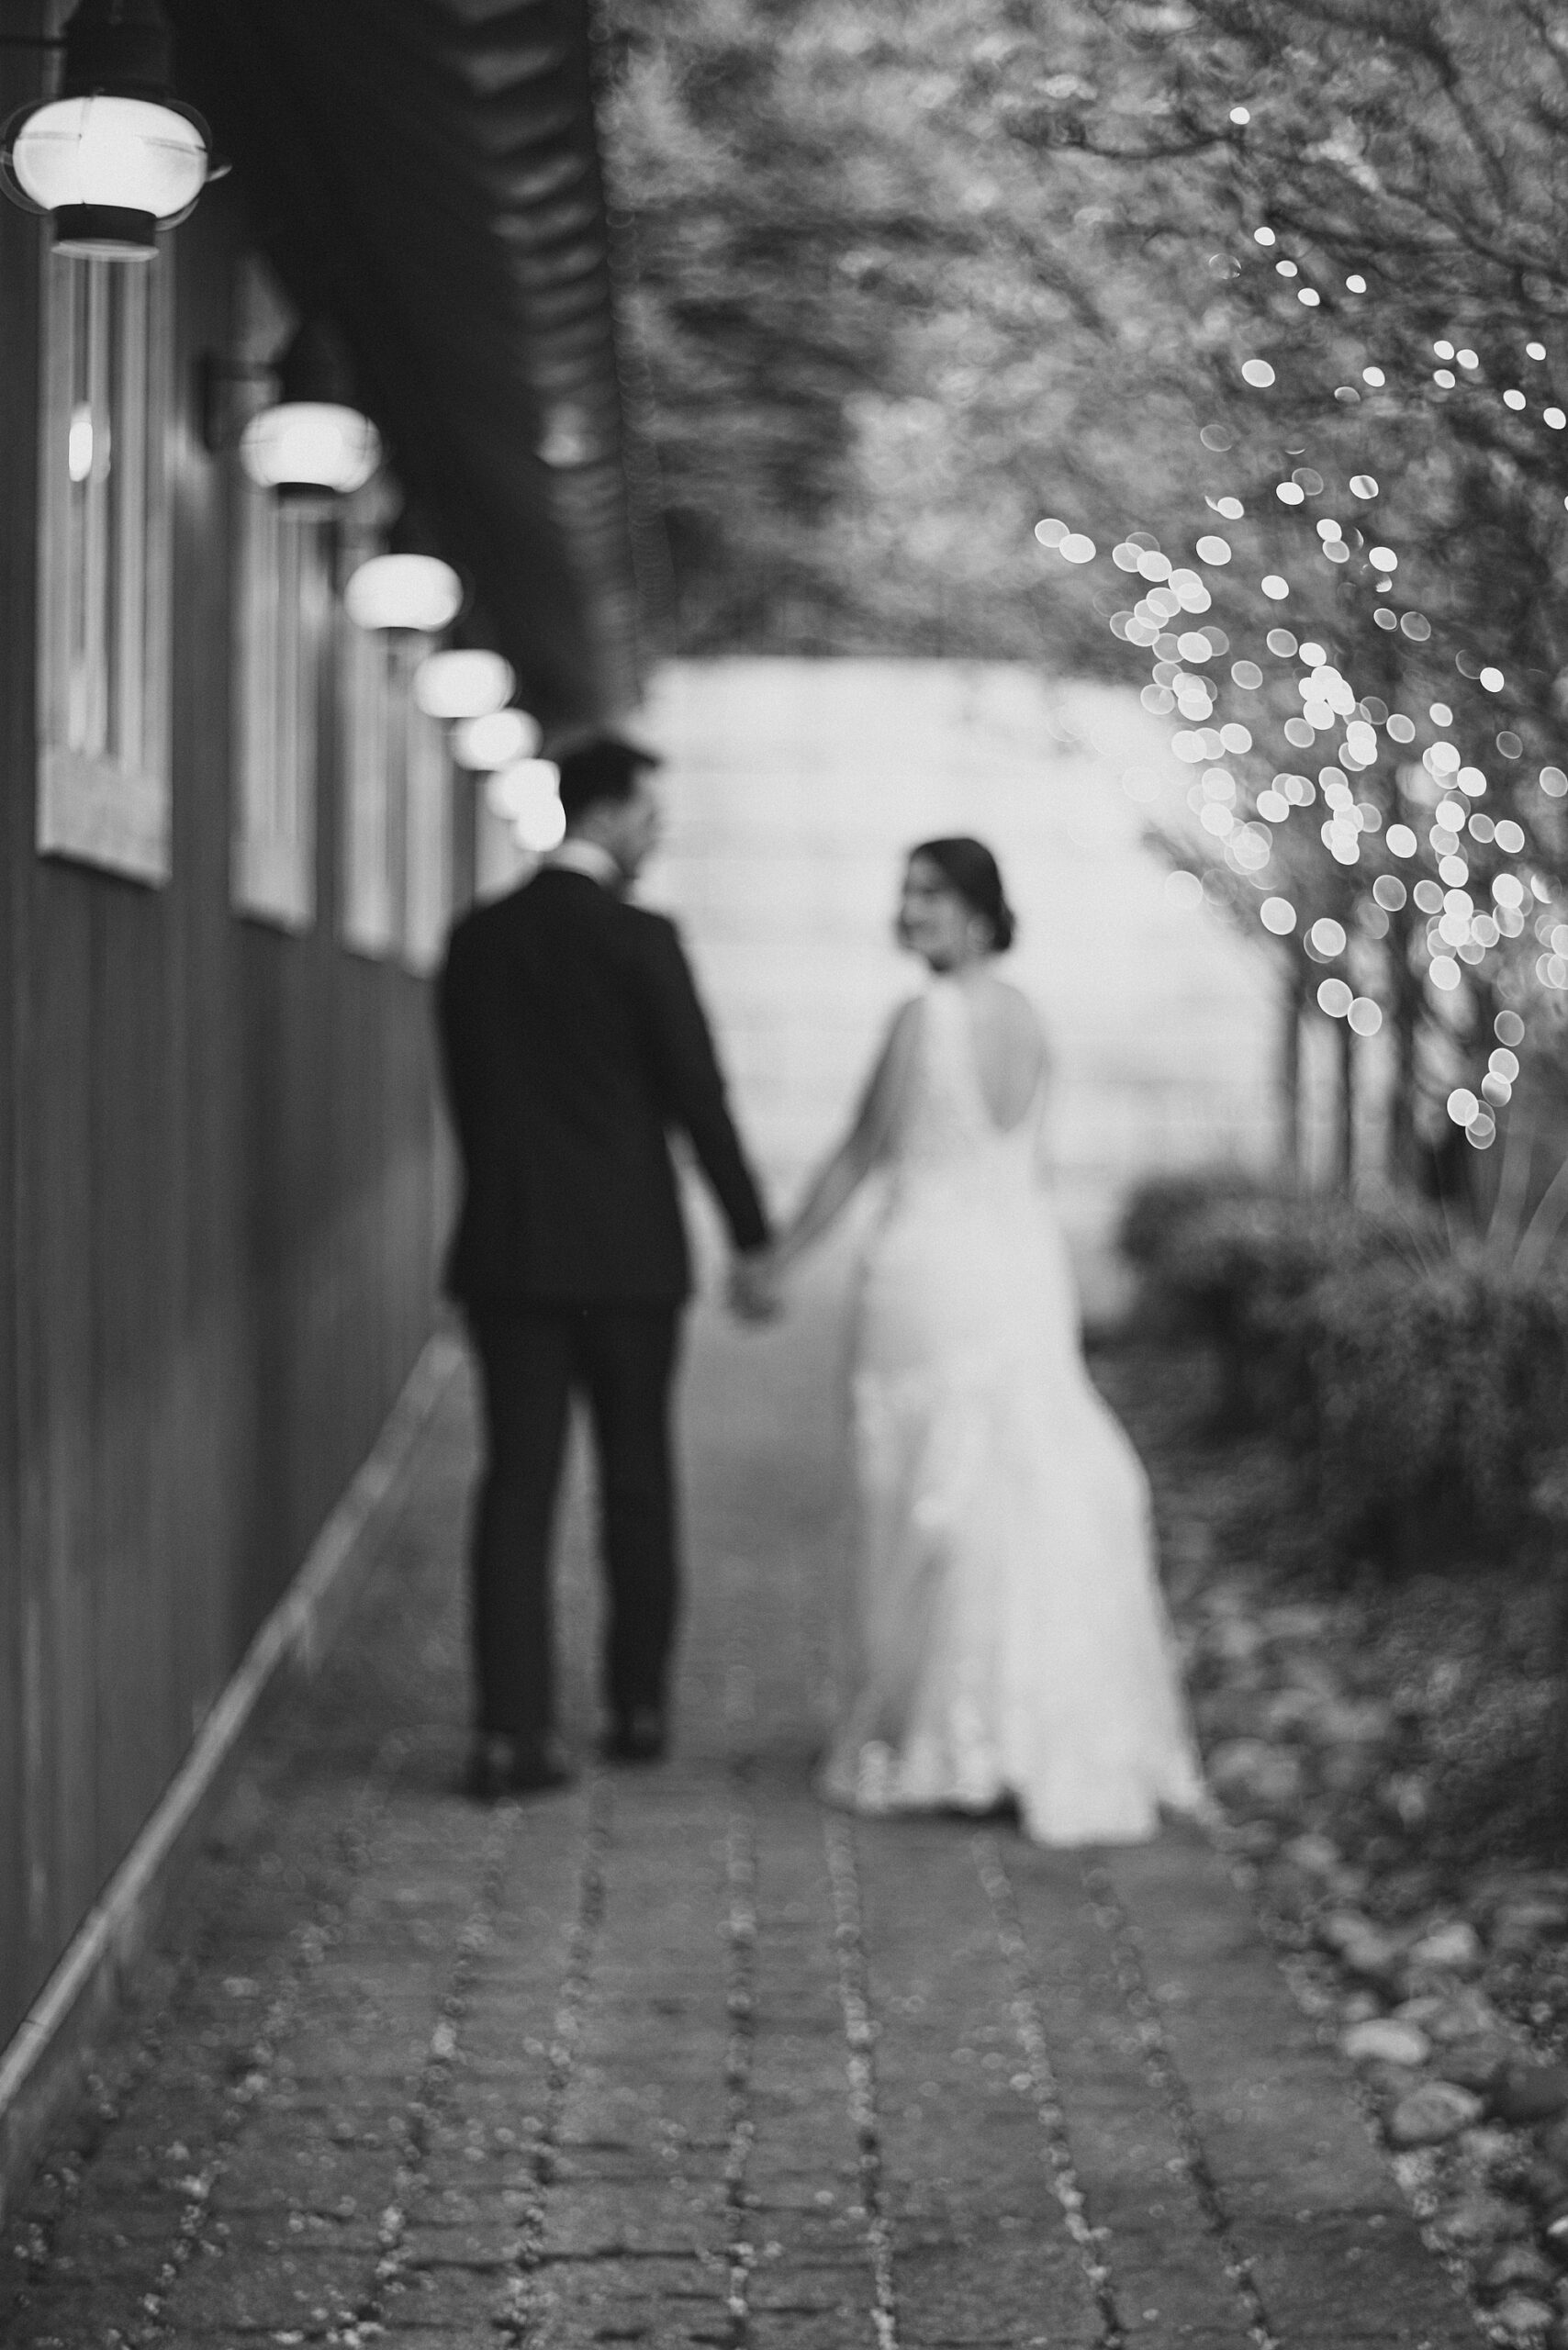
[{"x": 606, "y": 770}]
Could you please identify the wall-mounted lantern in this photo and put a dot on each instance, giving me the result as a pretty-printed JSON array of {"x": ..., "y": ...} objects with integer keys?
[
  {"x": 499, "y": 740},
  {"x": 463, "y": 684},
  {"x": 116, "y": 156},
  {"x": 314, "y": 441},
  {"x": 404, "y": 591}
]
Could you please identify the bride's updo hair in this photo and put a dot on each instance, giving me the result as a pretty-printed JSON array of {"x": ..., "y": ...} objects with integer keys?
[{"x": 973, "y": 873}]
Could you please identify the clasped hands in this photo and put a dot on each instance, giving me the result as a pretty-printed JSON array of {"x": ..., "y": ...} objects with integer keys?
[{"x": 753, "y": 1292}]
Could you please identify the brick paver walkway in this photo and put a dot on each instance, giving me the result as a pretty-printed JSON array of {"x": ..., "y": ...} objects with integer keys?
[{"x": 677, "y": 2058}]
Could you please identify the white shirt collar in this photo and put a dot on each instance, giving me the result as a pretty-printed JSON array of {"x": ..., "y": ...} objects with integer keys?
[{"x": 587, "y": 857}]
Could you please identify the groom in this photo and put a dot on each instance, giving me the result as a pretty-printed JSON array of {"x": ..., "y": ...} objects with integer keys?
[{"x": 572, "y": 1040}]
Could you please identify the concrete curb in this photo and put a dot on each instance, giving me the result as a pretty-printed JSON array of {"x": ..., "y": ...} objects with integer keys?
[{"x": 42, "y": 2068}]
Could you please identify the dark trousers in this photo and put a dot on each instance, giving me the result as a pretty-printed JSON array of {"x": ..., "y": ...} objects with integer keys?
[{"x": 532, "y": 1358}]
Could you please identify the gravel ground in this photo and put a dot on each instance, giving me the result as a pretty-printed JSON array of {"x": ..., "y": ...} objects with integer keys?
[{"x": 1375, "y": 1749}]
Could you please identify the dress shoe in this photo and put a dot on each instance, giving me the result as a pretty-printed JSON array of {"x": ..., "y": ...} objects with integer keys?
[
  {"x": 639, "y": 1735},
  {"x": 500, "y": 1766}
]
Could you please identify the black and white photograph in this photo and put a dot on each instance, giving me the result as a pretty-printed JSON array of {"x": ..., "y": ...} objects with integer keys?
[{"x": 783, "y": 1174}]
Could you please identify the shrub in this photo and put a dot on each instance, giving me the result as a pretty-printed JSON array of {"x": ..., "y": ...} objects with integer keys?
[
  {"x": 1226, "y": 1259},
  {"x": 1159, "y": 1206},
  {"x": 1420, "y": 1386},
  {"x": 1436, "y": 1401}
]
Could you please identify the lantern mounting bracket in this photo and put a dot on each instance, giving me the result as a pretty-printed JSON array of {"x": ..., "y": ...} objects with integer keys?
[{"x": 220, "y": 382}]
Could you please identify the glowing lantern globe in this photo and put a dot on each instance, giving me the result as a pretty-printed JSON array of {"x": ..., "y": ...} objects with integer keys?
[
  {"x": 313, "y": 441},
  {"x": 412, "y": 591},
  {"x": 115, "y": 157},
  {"x": 464, "y": 684},
  {"x": 499, "y": 740},
  {"x": 303, "y": 447}
]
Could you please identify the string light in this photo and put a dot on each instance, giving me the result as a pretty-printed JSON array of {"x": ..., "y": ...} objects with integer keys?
[{"x": 1459, "y": 933}]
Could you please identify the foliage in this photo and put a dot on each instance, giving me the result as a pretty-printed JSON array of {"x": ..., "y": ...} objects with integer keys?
[
  {"x": 1155, "y": 1214},
  {"x": 1420, "y": 1384},
  {"x": 909, "y": 278},
  {"x": 877, "y": 337},
  {"x": 1379, "y": 190}
]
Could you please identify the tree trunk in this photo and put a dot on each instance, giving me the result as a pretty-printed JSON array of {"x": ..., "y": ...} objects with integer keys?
[
  {"x": 1402, "y": 1168},
  {"x": 1345, "y": 1138},
  {"x": 1292, "y": 1004}
]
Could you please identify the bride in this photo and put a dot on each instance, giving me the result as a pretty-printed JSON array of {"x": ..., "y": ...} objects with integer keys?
[{"x": 1012, "y": 1636}]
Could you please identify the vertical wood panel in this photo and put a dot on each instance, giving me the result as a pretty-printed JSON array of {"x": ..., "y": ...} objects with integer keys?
[
  {"x": 18, "y": 300},
  {"x": 217, "y": 1205}
]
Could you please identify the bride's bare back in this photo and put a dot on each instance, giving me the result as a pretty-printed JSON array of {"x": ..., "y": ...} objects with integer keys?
[{"x": 1009, "y": 1050}]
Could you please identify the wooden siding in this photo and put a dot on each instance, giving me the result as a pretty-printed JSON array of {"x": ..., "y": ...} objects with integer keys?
[{"x": 220, "y": 1194}]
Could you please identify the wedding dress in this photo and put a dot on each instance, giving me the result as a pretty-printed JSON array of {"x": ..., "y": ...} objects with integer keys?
[{"x": 1012, "y": 1635}]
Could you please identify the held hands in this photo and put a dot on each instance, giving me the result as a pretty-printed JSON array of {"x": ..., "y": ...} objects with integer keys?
[{"x": 753, "y": 1290}]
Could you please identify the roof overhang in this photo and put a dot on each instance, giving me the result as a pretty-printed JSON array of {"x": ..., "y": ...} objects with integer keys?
[{"x": 426, "y": 174}]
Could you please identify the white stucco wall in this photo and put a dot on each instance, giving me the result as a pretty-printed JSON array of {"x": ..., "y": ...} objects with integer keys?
[{"x": 793, "y": 787}]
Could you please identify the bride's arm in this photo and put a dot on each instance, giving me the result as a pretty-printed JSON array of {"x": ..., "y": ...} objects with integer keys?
[{"x": 840, "y": 1175}]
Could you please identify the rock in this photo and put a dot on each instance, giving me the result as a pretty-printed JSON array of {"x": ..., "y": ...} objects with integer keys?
[
  {"x": 1453, "y": 1948},
  {"x": 1230, "y": 1712},
  {"x": 1486, "y": 2219},
  {"x": 1466, "y": 2015},
  {"x": 1297, "y": 1620},
  {"x": 1346, "y": 1770},
  {"x": 1234, "y": 1638},
  {"x": 1520, "y": 2317},
  {"x": 1360, "y": 1946},
  {"x": 1357, "y": 2007},
  {"x": 1314, "y": 1855},
  {"x": 1526, "y": 2094},
  {"x": 1404, "y": 1793},
  {"x": 1405, "y": 1890},
  {"x": 1288, "y": 1709},
  {"x": 1430, "y": 2115},
  {"x": 1474, "y": 2065},
  {"x": 1554, "y": 2228},
  {"x": 1545, "y": 2184},
  {"x": 1386, "y": 2040},
  {"x": 1518, "y": 2266},
  {"x": 1249, "y": 1769},
  {"x": 1518, "y": 1926},
  {"x": 1364, "y": 1721},
  {"x": 1553, "y": 2143}
]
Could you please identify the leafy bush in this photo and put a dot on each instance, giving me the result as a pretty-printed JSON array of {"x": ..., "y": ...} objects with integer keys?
[
  {"x": 1420, "y": 1386},
  {"x": 1437, "y": 1397},
  {"x": 1161, "y": 1204},
  {"x": 1227, "y": 1257}
]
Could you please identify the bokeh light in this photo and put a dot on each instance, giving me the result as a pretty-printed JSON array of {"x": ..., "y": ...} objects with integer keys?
[{"x": 526, "y": 795}]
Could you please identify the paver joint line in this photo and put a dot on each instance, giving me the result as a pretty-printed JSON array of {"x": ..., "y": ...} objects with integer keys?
[
  {"x": 168, "y": 2257},
  {"x": 516, "y": 2320},
  {"x": 860, "y": 2032},
  {"x": 1029, "y": 2024},
  {"x": 1163, "y": 2072},
  {"x": 432, "y": 2089},
  {"x": 740, "y": 1990}
]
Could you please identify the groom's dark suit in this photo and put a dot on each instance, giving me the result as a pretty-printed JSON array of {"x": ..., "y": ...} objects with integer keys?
[{"x": 573, "y": 1040}]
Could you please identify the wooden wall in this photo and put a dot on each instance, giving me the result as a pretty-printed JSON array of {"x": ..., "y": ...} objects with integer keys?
[{"x": 220, "y": 1201}]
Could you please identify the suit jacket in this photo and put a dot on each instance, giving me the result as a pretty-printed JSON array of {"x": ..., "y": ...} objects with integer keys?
[{"x": 572, "y": 1041}]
